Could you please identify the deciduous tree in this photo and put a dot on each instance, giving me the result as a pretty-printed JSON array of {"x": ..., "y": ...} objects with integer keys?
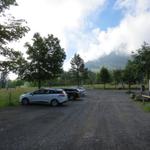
[
  {"x": 142, "y": 59},
  {"x": 11, "y": 29},
  {"x": 45, "y": 59},
  {"x": 77, "y": 68},
  {"x": 130, "y": 73},
  {"x": 104, "y": 76},
  {"x": 117, "y": 76}
]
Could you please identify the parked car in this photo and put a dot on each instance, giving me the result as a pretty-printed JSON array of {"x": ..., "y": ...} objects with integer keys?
[
  {"x": 82, "y": 91},
  {"x": 49, "y": 96},
  {"x": 72, "y": 93}
]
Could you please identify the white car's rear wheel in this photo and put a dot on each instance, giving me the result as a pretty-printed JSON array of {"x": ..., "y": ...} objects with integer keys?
[{"x": 54, "y": 103}]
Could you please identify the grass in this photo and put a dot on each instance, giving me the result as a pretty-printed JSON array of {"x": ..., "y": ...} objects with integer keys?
[
  {"x": 10, "y": 97},
  {"x": 145, "y": 106}
]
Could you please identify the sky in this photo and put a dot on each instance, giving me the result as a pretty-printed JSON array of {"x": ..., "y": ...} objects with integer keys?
[{"x": 91, "y": 28}]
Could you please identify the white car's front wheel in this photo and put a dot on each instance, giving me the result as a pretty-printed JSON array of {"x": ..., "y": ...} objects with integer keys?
[
  {"x": 25, "y": 101},
  {"x": 54, "y": 103}
]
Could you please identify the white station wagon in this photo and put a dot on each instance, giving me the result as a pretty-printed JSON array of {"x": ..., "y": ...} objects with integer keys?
[{"x": 50, "y": 96}]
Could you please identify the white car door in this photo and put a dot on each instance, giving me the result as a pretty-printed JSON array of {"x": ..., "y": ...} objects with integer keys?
[
  {"x": 51, "y": 95},
  {"x": 39, "y": 96},
  {"x": 48, "y": 95}
]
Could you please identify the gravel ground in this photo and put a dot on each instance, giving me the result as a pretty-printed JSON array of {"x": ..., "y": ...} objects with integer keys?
[{"x": 103, "y": 120}]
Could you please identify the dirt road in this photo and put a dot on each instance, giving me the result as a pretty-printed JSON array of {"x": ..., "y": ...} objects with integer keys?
[{"x": 104, "y": 120}]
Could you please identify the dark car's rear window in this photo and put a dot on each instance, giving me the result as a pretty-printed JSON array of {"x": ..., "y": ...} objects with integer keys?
[
  {"x": 55, "y": 92},
  {"x": 71, "y": 90}
]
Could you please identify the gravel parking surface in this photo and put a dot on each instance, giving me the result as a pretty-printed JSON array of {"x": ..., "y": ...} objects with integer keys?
[{"x": 103, "y": 120}]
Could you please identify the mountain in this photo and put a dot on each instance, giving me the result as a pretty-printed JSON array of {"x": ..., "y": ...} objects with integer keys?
[{"x": 115, "y": 60}]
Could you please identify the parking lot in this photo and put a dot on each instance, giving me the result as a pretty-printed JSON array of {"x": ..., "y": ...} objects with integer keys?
[{"x": 103, "y": 120}]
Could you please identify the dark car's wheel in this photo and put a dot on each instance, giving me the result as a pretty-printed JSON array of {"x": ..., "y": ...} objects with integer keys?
[
  {"x": 54, "y": 103},
  {"x": 25, "y": 101},
  {"x": 71, "y": 97}
]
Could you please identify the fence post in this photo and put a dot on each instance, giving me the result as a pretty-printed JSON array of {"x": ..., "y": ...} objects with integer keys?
[
  {"x": 149, "y": 88},
  {"x": 10, "y": 98}
]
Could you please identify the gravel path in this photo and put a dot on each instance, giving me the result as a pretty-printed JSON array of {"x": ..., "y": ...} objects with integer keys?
[{"x": 103, "y": 120}]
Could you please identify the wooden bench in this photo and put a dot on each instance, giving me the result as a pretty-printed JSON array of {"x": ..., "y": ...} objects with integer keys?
[{"x": 147, "y": 97}]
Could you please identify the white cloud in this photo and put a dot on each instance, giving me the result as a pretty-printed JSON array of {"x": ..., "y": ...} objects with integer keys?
[
  {"x": 128, "y": 36},
  {"x": 133, "y": 6},
  {"x": 55, "y": 16}
]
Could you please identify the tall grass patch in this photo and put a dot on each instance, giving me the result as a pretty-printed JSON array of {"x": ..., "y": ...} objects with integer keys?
[
  {"x": 146, "y": 106},
  {"x": 11, "y": 96}
]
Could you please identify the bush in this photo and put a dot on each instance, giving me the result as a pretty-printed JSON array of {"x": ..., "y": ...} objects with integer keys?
[
  {"x": 132, "y": 95},
  {"x": 138, "y": 98}
]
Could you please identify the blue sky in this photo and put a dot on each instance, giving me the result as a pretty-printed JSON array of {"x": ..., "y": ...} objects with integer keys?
[
  {"x": 109, "y": 17},
  {"x": 90, "y": 28}
]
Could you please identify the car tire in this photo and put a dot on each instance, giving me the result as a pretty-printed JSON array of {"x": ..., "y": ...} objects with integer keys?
[
  {"x": 54, "y": 103},
  {"x": 25, "y": 101}
]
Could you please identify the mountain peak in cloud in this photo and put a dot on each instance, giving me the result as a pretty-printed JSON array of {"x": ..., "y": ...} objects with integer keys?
[{"x": 114, "y": 60}]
